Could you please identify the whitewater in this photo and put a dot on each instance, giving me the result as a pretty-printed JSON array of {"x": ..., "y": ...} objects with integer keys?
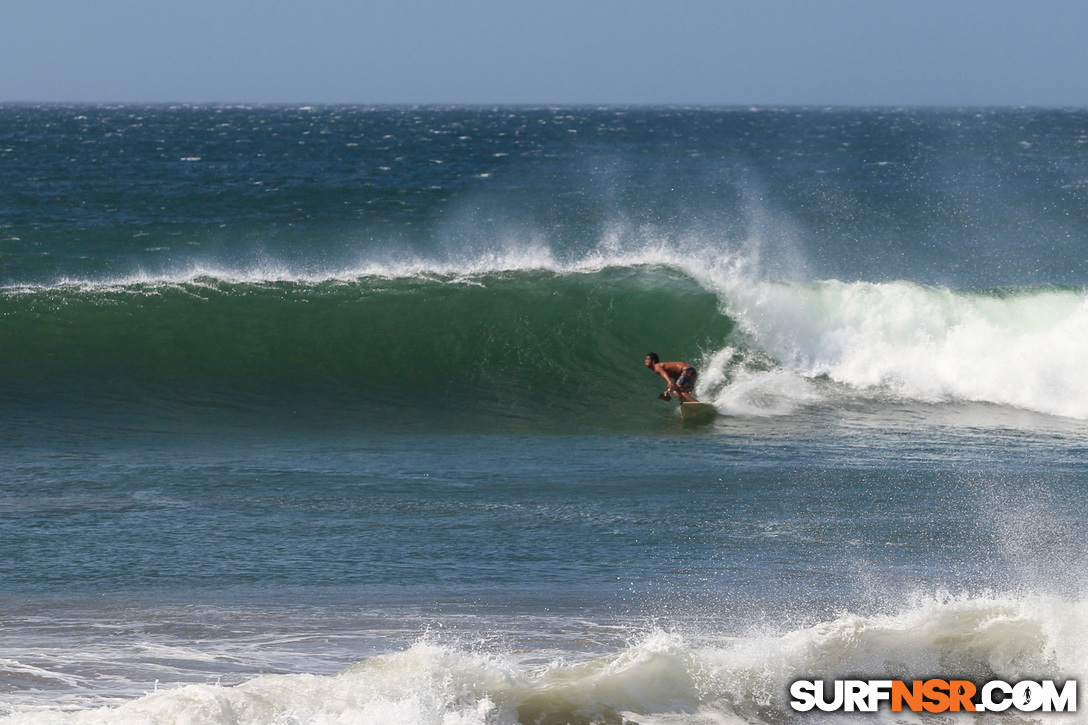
[
  {"x": 337, "y": 415},
  {"x": 1015, "y": 347},
  {"x": 657, "y": 678}
]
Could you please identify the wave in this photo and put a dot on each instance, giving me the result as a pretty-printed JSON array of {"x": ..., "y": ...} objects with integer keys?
[
  {"x": 1011, "y": 347},
  {"x": 658, "y": 678},
  {"x": 533, "y": 340},
  {"x": 503, "y": 343}
]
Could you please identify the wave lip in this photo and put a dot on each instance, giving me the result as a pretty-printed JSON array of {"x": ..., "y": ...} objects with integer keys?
[
  {"x": 531, "y": 345},
  {"x": 544, "y": 328}
]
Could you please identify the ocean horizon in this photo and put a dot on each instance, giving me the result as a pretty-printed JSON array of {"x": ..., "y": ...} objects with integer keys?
[{"x": 338, "y": 414}]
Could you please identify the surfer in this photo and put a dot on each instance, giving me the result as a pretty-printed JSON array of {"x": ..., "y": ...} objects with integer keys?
[{"x": 679, "y": 375}]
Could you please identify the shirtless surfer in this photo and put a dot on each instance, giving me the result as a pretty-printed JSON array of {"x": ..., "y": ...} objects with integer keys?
[{"x": 679, "y": 375}]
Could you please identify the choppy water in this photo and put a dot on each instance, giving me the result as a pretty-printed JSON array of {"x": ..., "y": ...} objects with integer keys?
[{"x": 339, "y": 414}]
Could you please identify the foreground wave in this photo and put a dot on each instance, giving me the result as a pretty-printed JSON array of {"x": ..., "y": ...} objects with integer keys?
[
  {"x": 658, "y": 678},
  {"x": 546, "y": 345}
]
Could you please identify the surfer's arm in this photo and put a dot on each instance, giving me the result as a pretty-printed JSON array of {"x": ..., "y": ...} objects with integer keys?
[{"x": 670, "y": 385}]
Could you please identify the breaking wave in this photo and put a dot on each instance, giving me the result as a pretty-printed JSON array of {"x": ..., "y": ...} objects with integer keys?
[
  {"x": 658, "y": 678},
  {"x": 530, "y": 338}
]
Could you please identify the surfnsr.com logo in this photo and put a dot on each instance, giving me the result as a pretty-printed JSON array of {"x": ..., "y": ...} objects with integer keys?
[{"x": 933, "y": 695}]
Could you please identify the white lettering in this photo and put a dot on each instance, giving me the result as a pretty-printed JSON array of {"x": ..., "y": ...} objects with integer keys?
[
  {"x": 1027, "y": 696},
  {"x": 1066, "y": 701},
  {"x": 994, "y": 696},
  {"x": 988, "y": 701},
  {"x": 804, "y": 695},
  {"x": 821, "y": 698},
  {"x": 856, "y": 695},
  {"x": 879, "y": 690}
]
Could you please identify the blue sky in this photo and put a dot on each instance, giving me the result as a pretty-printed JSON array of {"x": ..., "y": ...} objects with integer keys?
[{"x": 723, "y": 52}]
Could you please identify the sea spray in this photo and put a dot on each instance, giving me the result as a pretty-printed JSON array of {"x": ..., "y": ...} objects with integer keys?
[
  {"x": 283, "y": 388},
  {"x": 763, "y": 346},
  {"x": 660, "y": 677},
  {"x": 1007, "y": 347}
]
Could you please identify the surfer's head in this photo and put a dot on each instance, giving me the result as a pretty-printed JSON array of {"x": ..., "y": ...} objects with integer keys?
[{"x": 652, "y": 359}]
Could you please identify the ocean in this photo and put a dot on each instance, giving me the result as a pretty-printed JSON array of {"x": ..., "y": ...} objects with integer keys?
[{"x": 339, "y": 414}]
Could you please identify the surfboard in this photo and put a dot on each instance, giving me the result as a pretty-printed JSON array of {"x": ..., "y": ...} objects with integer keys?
[{"x": 690, "y": 411}]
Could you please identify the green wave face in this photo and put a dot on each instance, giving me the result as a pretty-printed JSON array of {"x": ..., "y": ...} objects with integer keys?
[
  {"x": 528, "y": 348},
  {"x": 527, "y": 345}
]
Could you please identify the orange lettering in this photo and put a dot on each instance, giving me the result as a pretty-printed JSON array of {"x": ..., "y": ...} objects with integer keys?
[
  {"x": 912, "y": 695},
  {"x": 961, "y": 692},
  {"x": 935, "y": 690}
]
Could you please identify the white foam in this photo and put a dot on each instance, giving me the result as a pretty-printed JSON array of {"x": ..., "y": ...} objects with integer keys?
[
  {"x": 923, "y": 343},
  {"x": 662, "y": 677},
  {"x": 739, "y": 384},
  {"x": 464, "y": 254},
  {"x": 1024, "y": 350}
]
